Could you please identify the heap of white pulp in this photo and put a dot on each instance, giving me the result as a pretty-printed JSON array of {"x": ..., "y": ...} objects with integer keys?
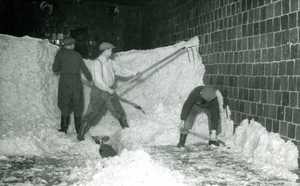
[
  {"x": 265, "y": 149},
  {"x": 30, "y": 119}
]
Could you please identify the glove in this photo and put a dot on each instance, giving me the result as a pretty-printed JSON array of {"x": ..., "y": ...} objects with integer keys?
[
  {"x": 92, "y": 83},
  {"x": 111, "y": 91},
  {"x": 138, "y": 75}
]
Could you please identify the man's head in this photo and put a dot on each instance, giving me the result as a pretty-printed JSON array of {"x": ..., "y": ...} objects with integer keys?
[
  {"x": 208, "y": 93},
  {"x": 69, "y": 43},
  {"x": 106, "y": 49}
]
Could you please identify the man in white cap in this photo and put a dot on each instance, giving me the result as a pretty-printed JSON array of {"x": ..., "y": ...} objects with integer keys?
[
  {"x": 201, "y": 99},
  {"x": 103, "y": 96}
]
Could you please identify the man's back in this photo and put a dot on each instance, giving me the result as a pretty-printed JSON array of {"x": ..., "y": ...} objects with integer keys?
[{"x": 69, "y": 62}]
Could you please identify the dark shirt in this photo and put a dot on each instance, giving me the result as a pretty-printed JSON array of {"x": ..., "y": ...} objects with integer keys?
[
  {"x": 195, "y": 98},
  {"x": 70, "y": 62}
]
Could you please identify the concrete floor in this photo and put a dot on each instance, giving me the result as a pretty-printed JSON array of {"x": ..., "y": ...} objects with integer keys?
[
  {"x": 203, "y": 165},
  {"x": 200, "y": 164}
]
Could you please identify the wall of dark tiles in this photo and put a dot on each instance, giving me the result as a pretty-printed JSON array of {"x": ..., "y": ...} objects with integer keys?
[{"x": 251, "y": 51}]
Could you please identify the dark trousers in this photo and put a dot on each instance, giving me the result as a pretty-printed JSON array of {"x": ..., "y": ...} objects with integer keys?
[
  {"x": 213, "y": 115},
  {"x": 70, "y": 95},
  {"x": 100, "y": 103}
]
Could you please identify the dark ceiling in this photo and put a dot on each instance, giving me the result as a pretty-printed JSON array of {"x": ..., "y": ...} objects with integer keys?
[{"x": 117, "y": 2}]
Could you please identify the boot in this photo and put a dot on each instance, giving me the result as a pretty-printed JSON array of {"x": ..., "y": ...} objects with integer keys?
[
  {"x": 182, "y": 140},
  {"x": 64, "y": 123},
  {"x": 77, "y": 121},
  {"x": 213, "y": 142},
  {"x": 123, "y": 123},
  {"x": 84, "y": 127},
  {"x": 213, "y": 138}
]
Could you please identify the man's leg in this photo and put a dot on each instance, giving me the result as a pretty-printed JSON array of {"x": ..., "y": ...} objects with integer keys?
[
  {"x": 65, "y": 115},
  {"x": 64, "y": 102},
  {"x": 213, "y": 122},
  {"x": 77, "y": 105},
  {"x": 188, "y": 124},
  {"x": 64, "y": 123},
  {"x": 96, "y": 110},
  {"x": 114, "y": 106}
]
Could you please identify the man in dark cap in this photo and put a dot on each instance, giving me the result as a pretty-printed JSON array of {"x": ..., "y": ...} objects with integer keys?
[
  {"x": 69, "y": 64},
  {"x": 201, "y": 99},
  {"x": 103, "y": 96}
]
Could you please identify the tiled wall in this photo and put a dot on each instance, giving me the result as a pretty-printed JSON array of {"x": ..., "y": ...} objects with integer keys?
[{"x": 251, "y": 52}]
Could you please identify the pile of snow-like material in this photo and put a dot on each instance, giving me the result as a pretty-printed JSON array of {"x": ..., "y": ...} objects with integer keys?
[
  {"x": 161, "y": 94},
  {"x": 28, "y": 96},
  {"x": 265, "y": 149},
  {"x": 131, "y": 168},
  {"x": 28, "y": 87}
]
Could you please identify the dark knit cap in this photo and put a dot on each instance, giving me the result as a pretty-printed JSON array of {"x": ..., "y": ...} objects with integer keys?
[{"x": 69, "y": 41}]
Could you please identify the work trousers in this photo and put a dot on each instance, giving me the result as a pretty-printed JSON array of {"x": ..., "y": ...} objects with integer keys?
[
  {"x": 213, "y": 115},
  {"x": 100, "y": 103},
  {"x": 70, "y": 95}
]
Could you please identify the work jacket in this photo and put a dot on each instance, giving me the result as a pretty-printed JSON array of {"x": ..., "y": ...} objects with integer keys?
[{"x": 195, "y": 99}]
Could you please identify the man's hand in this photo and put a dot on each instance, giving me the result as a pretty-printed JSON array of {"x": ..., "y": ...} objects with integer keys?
[
  {"x": 111, "y": 91},
  {"x": 138, "y": 75},
  {"x": 91, "y": 83}
]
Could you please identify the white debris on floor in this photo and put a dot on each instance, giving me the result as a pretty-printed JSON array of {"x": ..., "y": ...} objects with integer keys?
[
  {"x": 30, "y": 119},
  {"x": 132, "y": 168},
  {"x": 265, "y": 149}
]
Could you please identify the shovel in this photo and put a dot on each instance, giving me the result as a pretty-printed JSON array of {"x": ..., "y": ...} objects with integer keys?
[
  {"x": 136, "y": 106},
  {"x": 201, "y": 136}
]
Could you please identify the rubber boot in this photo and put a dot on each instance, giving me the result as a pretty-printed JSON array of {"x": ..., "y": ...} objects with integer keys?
[
  {"x": 64, "y": 124},
  {"x": 81, "y": 133},
  {"x": 123, "y": 123},
  {"x": 182, "y": 140},
  {"x": 213, "y": 138},
  {"x": 77, "y": 121}
]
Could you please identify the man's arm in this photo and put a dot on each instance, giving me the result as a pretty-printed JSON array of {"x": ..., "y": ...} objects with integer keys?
[
  {"x": 85, "y": 71},
  {"x": 189, "y": 103},
  {"x": 56, "y": 67}
]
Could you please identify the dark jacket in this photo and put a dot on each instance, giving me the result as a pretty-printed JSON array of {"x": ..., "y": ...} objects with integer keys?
[
  {"x": 69, "y": 64},
  {"x": 195, "y": 99}
]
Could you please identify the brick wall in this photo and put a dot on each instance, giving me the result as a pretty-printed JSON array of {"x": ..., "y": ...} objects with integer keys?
[{"x": 251, "y": 52}]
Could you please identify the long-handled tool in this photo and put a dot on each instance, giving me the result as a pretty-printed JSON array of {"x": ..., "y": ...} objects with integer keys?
[
  {"x": 201, "y": 136},
  {"x": 163, "y": 62},
  {"x": 177, "y": 52},
  {"x": 170, "y": 58},
  {"x": 121, "y": 99},
  {"x": 133, "y": 104}
]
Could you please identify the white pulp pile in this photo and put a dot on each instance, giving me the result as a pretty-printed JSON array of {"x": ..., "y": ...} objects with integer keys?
[
  {"x": 131, "y": 168},
  {"x": 161, "y": 94},
  {"x": 265, "y": 149},
  {"x": 29, "y": 96},
  {"x": 29, "y": 117}
]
